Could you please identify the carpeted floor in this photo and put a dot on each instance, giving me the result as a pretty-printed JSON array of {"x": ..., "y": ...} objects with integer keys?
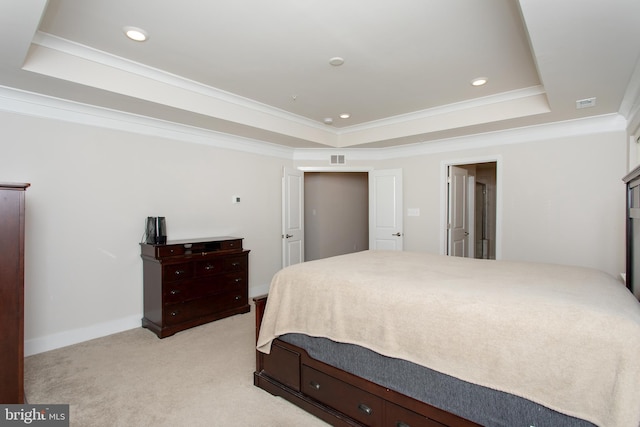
[{"x": 199, "y": 377}]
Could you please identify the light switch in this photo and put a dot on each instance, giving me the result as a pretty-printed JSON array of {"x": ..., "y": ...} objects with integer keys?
[{"x": 236, "y": 199}]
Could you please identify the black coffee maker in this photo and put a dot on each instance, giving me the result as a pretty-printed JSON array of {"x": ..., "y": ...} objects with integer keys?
[{"x": 156, "y": 230}]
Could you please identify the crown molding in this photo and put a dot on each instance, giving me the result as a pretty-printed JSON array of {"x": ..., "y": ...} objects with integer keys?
[
  {"x": 569, "y": 128},
  {"x": 484, "y": 101},
  {"x": 37, "y": 105}
]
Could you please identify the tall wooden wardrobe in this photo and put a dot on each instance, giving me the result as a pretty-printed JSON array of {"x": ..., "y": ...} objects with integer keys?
[{"x": 12, "y": 292}]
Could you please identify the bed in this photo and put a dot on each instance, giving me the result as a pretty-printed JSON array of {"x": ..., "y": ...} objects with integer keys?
[{"x": 416, "y": 339}]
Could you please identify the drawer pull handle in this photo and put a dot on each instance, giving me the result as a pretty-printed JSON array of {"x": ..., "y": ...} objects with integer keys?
[
  {"x": 401, "y": 424},
  {"x": 314, "y": 385},
  {"x": 174, "y": 313},
  {"x": 209, "y": 267},
  {"x": 179, "y": 272},
  {"x": 174, "y": 292},
  {"x": 237, "y": 298},
  {"x": 365, "y": 409},
  {"x": 238, "y": 280},
  {"x": 235, "y": 264}
]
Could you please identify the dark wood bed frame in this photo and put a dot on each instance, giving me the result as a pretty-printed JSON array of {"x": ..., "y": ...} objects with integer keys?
[{"x": 335, "y": 396}]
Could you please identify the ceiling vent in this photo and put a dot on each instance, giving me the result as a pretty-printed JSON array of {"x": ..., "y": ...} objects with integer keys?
[
  {"x": 586, "y": 103},
  {"x": 337, "y": 159}
]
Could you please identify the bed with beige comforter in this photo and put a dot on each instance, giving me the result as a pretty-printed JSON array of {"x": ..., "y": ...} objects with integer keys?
[{"x": 565, "y": 337}]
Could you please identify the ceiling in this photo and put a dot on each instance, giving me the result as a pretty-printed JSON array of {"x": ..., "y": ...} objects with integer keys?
[{"x": 261, "y": 69}]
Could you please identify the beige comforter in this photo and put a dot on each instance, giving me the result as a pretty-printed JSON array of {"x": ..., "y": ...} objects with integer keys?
[{"x": 567, "y": 338}]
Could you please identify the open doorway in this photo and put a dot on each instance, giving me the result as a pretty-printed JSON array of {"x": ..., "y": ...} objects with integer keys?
[
  {"x": 485, "y": 211},
  {"x": 471, "y": 209},
  {"x": 336, "y": 213},
  {"x": 383, "y": 221}
]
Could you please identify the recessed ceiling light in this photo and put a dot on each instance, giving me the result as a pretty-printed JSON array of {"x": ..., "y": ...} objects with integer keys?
[
  {"x": 479, "y": 81},
  {"x": 137, "y": 34},
  {"x": 336, "y": 61},
  {"x": 345, "y": 115}
]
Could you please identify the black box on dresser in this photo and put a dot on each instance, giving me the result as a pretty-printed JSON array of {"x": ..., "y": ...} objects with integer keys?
[{"x": 191, "y": 282}]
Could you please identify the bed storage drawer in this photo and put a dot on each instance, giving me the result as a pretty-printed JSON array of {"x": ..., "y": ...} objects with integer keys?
[
  {"x": 397, "y": 416},
  {"x": 358, "y": 404}
]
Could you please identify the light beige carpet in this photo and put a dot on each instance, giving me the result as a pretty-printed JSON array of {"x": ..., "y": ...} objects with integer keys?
[{"x": 199, "y": 377}]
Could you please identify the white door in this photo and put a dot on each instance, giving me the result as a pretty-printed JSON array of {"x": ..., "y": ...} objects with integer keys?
[
  {"x": 458, "y": 215},
  {"x": 292, "y": 217},
  {"x": 385, "y": 210}
]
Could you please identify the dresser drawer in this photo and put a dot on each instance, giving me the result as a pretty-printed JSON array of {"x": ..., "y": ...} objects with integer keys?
[
  {"x": 208, "y": 267},
  {"x": 185, "y": 290},
  {"x": 188, "y": 310},
  {"x": 170, "y": 250},
  {"x": 233, "y": 280},
  {"x": 227, "y": 245},
  {"x": 398, "y": 416},
  {"x": 352, "y": 401},
  {"x": 236, "y": 263},
  {"x": 173, "y": 272}
]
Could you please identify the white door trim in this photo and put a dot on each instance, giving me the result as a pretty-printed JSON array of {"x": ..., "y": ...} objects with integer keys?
[{"x": 444, "y": 166}]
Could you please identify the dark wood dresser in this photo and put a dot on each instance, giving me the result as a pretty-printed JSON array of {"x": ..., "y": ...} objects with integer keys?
[
  {"x": 191, "y": 282},
  {"x": 12, "y": 292}
]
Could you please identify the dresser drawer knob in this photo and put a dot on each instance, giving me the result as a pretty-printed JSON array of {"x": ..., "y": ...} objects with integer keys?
[
  {"x": 235, "y": 264},
  {"x": 238, "y": 280},
  {"x": 209, "y": 267},
  {"x": 174, "y": 313},
  {"x": 179, "y": 272},
  {"x": 238, "y": 297},
  {"x": 401, "y": 424},
  {"x": 365, "y": 409},
  {"x": 174, "y": 292},
  {"x": 314, "y": 385}
]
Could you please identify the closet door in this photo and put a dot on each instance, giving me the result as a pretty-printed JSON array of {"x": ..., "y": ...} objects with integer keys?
[{"x": 12, "y": 292}]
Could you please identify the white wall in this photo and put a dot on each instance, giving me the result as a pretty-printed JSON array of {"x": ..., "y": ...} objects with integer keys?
[
  {"x": 93, "y": 187},
  {"x": 91, "y": 191},
  {"x": 562, "y": 198}
]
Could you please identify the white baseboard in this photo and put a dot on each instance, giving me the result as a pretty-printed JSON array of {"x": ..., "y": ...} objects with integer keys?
[{"x": 75, "y": 336}]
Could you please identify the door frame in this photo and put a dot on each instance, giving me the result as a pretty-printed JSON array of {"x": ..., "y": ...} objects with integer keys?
[
  {"x": 329, "y": 169},
  {"x": 444, "y": 205}
]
